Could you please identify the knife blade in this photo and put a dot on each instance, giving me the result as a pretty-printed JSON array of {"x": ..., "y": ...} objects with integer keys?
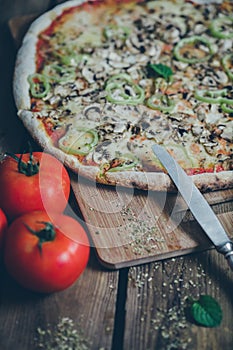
[{"x": 197, "y": 204}]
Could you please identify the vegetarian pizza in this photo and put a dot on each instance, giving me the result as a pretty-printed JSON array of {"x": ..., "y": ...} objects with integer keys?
[{"x": 97, "y": 83}]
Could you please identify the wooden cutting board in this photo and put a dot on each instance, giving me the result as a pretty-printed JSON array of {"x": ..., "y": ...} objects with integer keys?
[{"x": 130, "y": 227}]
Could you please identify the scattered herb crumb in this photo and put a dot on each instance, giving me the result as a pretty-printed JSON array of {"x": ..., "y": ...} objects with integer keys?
[
  {"x": 173, "y": 328},
  {"x": 143, "y": 233},
  {"x": 64, "y": 336},
  {"x": 170, "y": 319}
]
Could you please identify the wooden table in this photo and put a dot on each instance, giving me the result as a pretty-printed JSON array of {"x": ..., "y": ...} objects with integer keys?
[{"x": 139, "y": 307}]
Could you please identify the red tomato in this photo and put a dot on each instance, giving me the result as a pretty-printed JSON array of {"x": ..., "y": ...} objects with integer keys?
[
  {"x": 3, "y": 226},
  {"x": 47, "y": 189},
  {"x": 46, "y": 254}
]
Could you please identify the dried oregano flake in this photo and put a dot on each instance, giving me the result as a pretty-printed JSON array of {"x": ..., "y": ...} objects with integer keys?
[{"x": 64, "y": 336}]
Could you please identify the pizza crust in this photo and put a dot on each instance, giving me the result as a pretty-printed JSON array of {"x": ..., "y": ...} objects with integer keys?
[
  {"x": 214, "y": 181},
  {"x": 162, "y": 182},
  {"x": 25, "y": 63}
]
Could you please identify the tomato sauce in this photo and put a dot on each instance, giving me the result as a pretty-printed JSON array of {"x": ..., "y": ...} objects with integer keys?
[
  {"x": 196, "y": 171},
  {"x": 54, "y": 133}
]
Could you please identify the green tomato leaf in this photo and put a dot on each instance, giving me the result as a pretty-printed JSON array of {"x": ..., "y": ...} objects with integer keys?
[
  {"x": 159, "y": 70},
  {"x": 206, "y": 311}
]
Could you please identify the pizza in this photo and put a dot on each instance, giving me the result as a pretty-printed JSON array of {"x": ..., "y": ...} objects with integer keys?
[{"x": 97, "y": 83}]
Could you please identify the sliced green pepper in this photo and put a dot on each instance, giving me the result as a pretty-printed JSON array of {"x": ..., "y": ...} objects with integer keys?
[
  {"x": 217, "y": 27},
  {"x": 128, "y": 162},
  {"x": 39, "y": 85},
  {"x": 81, "y": 145},
  {"x": 225, "y": 107},
  {"x": 161, "y": 102},
  {"x": 227, "y": 63},
  {"x": 116, "y": 88},
  {"x": 214, "y": 97},
  {"x": 122, "y": 167},
  {"x": 208, "y": 96},
  {"x": 58, "y": 73},
  {"x": 191, "y": 43}
]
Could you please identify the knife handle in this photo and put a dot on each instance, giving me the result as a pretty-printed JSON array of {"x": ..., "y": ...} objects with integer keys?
[{"x": 227, "y": 250}]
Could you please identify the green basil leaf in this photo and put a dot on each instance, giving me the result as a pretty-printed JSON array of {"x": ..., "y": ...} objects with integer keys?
[
  {"x": 206, "y": 311},
  {"x": 159, "y": 70}
]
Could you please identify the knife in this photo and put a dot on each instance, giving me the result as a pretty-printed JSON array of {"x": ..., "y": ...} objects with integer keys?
[{"x": 198, "y": 205}]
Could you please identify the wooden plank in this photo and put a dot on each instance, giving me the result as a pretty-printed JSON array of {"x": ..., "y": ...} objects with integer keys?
[
  {"x": 156, "y": 300},
  {"x": 130, "y": 227},
  {"x": 89, "y": 303}
]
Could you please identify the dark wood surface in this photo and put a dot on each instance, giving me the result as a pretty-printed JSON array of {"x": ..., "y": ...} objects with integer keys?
[{"x": 134, "y": 308}]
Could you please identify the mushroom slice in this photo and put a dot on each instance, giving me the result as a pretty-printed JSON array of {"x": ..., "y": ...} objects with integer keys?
[{"x": 93, "y": 112}]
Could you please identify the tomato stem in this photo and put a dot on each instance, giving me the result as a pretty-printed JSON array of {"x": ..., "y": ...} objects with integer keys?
[
  {"x": 46, "y": 234},
  {"x": 29, "y": 168}
]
